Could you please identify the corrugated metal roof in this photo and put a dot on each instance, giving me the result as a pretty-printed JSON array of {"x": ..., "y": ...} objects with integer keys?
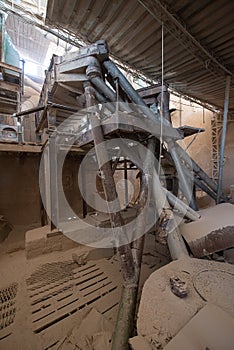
[
  {"x": 198, "y": 38},
  {"x": 27, "y": 39}
]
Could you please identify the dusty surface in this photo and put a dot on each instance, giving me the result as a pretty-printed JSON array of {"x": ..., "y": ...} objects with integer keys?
[
  {"x": 139, "y": 343},
  {"x": 213, "y": 218},
  {"x": 212, "y": 232},
  {"x": 210, "y": 328},
  {"x": 94, "y": 332},
  {"x": 51, "y": 295},
  {"x": 166, "y": 314}
]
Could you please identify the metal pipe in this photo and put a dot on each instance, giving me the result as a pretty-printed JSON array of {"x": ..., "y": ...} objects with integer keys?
[
  {"x": 22, "y": 84},
  {"x": 28, "y": 111},
  {"x": 197, "y": 169},
  {"x": 126, "y": 181},
  {"x": 185, "y": 186},
  {"x": 204, "y": 188},
  {"x": 181, "y": 206},
  {"x": 102, "y": 100},
  {"x": 124, "y": 83},
  {"x": 101, "y": 86},
  {"x": 174, "y": 239},
  {"x": 58, "y": 106},
  {"x": 223, "y": 138},
  {"x": 192, "y": 177},
  {"x": 159, "y": 122}
]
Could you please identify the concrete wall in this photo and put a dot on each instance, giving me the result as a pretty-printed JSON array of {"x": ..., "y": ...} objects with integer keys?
[
  {"x": 201, "y": 148},
  {"x": 19, "y": 189},
  {"x": 194, "y": 115}
]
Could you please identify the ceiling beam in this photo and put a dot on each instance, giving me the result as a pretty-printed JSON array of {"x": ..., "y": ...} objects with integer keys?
[{"x": 178, "y": 30}]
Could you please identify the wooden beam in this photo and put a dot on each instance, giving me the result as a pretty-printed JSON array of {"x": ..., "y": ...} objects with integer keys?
[{"x": 7, "y": 147}]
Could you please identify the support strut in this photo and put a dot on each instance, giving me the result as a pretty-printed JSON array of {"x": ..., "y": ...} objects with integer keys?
[{"x": 124, "y": 324}]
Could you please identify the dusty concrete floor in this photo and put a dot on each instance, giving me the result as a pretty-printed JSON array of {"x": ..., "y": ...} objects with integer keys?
[{"x": 42, "y": 299}]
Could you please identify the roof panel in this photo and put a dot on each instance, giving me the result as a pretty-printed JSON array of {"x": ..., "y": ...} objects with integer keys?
[
  {"x": 133, "y": 31},
  {"x": 27, "y": 38}
]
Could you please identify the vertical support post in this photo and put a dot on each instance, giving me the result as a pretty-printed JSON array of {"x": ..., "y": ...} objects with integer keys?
[
  {"x": 109, "y": 185},
  {"x": 223, "y": 138},
  {"x": 146, "y": 185},
  {"x": 20, "y": 129},
  {"x": 126, "y": 181},
  {"x": 54, "y": 205},
  {"x": 187, "y": 190},
  {"x": 180, "y": 112},
  {"x": 46, "y": 175},
  {"x": 22, "y": 83},
  {"x": 124, "y": 324},
  {"x": 84, "y": 204}
]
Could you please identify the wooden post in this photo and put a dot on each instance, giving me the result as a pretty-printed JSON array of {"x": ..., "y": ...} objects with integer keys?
[{"x": 124, "y": 324}]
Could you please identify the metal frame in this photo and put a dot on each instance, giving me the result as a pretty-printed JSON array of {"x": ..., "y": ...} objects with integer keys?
[{"x": 178, "y": 29}]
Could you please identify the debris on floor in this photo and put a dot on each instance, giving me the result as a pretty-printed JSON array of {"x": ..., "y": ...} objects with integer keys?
[
  {"x": 94, "y": 333},
  {"x": 178, "y": 287}
]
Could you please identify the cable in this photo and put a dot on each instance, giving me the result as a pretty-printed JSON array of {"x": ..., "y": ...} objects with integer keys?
[{"x": 161, "y": 104}]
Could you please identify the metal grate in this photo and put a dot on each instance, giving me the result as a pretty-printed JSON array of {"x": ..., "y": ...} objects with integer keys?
[
  {"x": 7, "y": 309},
  {"x": 59, "y": 290}
]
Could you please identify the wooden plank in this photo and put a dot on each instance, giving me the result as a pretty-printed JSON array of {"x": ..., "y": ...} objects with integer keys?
[
  {"x": 70, "y": 309},
  {"x": 7, "y": 147},
  {"x": 56, "y": 292},
  {"x": 71, "y": 297},
  {"x": 9, "y": 86},
  {"x": 10, "y": 67}
]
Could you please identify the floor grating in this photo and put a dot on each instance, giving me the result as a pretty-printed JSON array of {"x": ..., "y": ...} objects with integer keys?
[
  {"x": 59, "y": 290},
  {"x": 7, "y": 309}
]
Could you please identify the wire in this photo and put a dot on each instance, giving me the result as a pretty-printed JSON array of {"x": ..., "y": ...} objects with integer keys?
[{"x": 161, "y": 107}]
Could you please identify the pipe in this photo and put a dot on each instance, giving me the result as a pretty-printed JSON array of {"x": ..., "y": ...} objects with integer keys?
[
  {"x": 101, "y": 86},
  {"x": 184, "y": 183},
  {"x": 28, "y": 111},
  {"x": 223, "y": 138},
  {"x": 124, "y": 83},
  {"x": 131, "y": 92},
  {"x": 32, "y": 84},
  {"x": 22, "y": 86},
  {"x": 63, "y": 107},
  {"x": 126, "y": 181},
  {"x": 175, "y": 241},
  {"x": 204, "y": 188},
  {"x": 193, "y": 178},
  {"x": 102, "y": 100},
  {"x": 181, "y": 206},
  {"x": 198, "y": 170}
]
